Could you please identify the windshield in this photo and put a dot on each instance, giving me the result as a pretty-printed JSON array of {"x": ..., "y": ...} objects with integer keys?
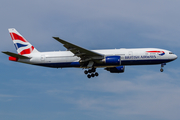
[{"x": 171, "y": 53}]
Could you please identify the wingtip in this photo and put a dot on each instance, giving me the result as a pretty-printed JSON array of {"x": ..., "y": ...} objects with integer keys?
[
  {"x": 56, "y": 37},
  {"x": 4, "y": 51}
]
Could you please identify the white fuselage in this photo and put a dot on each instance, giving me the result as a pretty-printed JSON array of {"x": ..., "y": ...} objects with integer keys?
[
  {"x": 112, "y": 60},
  {"x": 60, "y": 59}
]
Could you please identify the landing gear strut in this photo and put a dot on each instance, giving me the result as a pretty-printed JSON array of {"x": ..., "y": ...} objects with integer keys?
[
  {"x": 92, "y": 72},
  {"x": 162, "y": 65}
]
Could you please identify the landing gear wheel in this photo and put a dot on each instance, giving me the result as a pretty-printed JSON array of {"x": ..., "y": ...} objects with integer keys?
[
  {"x": 92, "y": 75},
  {"x": 89, "y": 76},
  {"x": 96, "y": 74},
  {"x": 89, "y": 71},
  {"x": 85, "y": 72},
  {"x": 162, "y": 65}
]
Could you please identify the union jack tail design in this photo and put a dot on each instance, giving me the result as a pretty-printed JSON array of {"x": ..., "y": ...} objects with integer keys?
[{"x": 21, "y": 44}]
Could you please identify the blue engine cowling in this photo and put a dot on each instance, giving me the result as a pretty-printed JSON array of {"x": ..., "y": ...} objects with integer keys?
[
  {"x": 113, "y": 60},
  {"x": 119, "y": 69}
]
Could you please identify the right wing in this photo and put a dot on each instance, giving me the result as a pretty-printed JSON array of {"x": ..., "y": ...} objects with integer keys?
[{"x": 15, "y": 55}]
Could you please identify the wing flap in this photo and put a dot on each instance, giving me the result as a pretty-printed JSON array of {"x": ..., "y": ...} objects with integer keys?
[{"x": 15, "y": 55}]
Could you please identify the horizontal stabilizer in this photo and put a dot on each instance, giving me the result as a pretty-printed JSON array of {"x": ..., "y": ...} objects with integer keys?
[{"x": 15, "y": 55}]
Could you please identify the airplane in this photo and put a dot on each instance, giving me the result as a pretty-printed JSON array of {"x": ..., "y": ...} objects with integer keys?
[{"x": 112, "y": 60}]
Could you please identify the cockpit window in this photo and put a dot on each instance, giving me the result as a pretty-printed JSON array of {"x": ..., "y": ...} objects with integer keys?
[{"x": 171, "y": 53}]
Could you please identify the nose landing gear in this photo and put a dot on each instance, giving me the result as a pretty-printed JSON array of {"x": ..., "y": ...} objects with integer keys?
[
  {"x": 162, "y": 65},
  {"x": 92, "y": 73}
]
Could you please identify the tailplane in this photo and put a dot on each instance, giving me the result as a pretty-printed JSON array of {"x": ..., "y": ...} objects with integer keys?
[{"x": 21, "y": 44}]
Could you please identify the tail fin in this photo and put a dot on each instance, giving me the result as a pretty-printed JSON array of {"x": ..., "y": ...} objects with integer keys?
[{"x": 21, "y": 44}]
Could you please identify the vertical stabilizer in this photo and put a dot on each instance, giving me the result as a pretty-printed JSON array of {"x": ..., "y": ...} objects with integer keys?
[{"x": 21, "y": 44}]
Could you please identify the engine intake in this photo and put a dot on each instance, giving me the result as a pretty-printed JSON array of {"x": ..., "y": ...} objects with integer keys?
[{"x": 112, "y": 60}]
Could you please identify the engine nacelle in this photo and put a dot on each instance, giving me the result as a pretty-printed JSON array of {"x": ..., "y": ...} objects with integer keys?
[
  {"x": 112, "y": 60},
  {"x": 119, "y": 69}
]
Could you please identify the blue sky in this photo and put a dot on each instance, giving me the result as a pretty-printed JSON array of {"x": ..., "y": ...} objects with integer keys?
[{"x": 142, "y": 92}]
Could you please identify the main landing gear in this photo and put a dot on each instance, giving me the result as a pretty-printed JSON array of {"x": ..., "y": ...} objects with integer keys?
[
  {"x": 162, "y": 65},
  {"x": 92, "y": 72}
]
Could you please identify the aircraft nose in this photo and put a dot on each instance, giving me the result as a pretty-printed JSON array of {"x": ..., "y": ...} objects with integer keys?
[{"x": 175, "y": 57}]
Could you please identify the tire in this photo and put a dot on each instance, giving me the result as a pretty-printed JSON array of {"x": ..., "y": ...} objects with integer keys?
[
  {"x": 96, "y": 74},
  {"x": 92, "y": 75},
  {"x": 89, "y": 76},
  {"x": 90, "y": 71},
  {"x": 85, "y": 72}
]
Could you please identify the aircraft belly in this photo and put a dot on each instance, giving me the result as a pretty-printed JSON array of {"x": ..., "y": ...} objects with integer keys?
[
  {"x": 60, "y": 64},
  {"x": 144, "y": 62}
]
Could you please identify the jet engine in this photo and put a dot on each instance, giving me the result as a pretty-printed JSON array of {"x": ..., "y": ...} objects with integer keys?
[
  {"x": 119, "y": 69},
  {"x": 112, "y": 60}
]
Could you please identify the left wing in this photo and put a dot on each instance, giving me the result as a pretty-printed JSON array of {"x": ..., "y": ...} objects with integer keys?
[{"x": 84, "y": 54}]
